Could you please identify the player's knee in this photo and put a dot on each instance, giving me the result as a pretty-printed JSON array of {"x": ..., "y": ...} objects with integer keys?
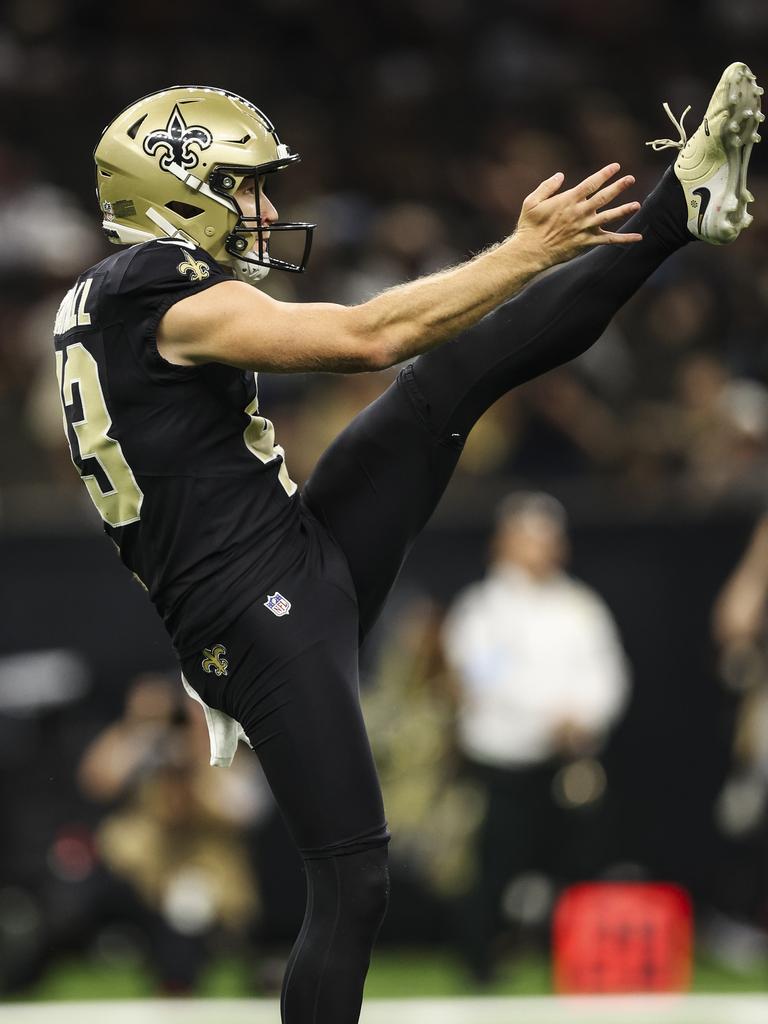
[
  {"x": 367, "y": 880},
  {"x": 360, "y": 883}
]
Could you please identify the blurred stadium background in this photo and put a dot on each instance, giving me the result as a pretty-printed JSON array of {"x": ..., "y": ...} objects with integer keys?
[{"x": 422, "y": 124}]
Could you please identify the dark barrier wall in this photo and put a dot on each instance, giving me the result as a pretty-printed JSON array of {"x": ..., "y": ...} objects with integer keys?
[{"x": 665, "y": 762}]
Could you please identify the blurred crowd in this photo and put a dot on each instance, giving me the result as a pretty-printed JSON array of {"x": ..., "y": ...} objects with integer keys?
[{"x": 422, "y": 126}]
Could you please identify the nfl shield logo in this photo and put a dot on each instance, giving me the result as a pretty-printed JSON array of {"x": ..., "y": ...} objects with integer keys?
[{"x": 277, "y": 604}]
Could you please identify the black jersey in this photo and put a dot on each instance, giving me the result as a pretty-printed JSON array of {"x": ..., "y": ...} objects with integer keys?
[{"x": 181, "y": 466}]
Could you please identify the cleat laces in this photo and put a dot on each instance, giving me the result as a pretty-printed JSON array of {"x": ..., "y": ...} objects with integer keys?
[{"x": 659, "y": 144}]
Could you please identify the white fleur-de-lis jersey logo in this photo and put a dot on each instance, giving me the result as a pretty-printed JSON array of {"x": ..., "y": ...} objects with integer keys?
[{"x": 174, "y": 142}]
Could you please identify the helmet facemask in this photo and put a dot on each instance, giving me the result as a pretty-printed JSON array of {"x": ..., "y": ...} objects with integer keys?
[{"x": 248, "y": 243}]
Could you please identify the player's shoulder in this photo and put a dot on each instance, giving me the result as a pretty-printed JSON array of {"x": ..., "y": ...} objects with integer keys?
[
  {"x": 160, "y": 262},
  {"x": 138, "y": 282}
]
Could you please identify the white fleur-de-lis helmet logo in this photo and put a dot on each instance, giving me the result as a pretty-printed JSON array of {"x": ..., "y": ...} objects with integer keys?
[{"x": 174, "y": 142}]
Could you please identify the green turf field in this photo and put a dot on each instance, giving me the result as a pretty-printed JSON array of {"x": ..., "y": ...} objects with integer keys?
[{"x": 403, "y": 974}]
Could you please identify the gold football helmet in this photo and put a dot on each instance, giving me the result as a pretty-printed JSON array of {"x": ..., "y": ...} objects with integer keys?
[{"x": 169, "y": 165}]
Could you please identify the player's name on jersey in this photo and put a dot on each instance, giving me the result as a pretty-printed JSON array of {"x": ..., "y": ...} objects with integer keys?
[{"x": 72, "y": 309}]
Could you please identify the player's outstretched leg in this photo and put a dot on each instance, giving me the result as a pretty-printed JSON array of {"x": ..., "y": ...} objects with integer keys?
[
  {"x": 378, "y": 483},
  {"x": 703, "y": 196},
  {"x": 550, "y": 322}
]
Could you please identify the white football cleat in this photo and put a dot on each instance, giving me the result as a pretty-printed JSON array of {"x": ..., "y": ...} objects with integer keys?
[
  {"x": 712, "y": 165},
  {"x": 223, "y": 732}
]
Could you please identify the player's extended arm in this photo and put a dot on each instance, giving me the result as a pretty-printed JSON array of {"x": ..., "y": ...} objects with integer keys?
[{"x": 235, "y": 324}]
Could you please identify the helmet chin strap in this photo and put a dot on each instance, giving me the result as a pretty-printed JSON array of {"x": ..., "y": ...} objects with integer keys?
[{"x": 167, "y": 228}]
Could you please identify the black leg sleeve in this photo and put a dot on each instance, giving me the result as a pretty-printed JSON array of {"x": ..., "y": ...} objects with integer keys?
[{"x": 346, "y": 900}]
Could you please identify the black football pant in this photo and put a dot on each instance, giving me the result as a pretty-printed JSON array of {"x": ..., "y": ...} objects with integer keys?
[{"x": 293, "y": 679}]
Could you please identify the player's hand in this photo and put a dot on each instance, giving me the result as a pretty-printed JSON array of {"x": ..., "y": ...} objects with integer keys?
[{"x": 560, "y": 225}]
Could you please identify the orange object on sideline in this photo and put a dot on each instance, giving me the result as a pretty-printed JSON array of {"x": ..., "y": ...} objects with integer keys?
[{"x": 623, "y": 937}]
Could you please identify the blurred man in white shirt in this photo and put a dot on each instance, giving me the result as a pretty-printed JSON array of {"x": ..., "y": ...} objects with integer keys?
[{"x": 542, "y": 677}]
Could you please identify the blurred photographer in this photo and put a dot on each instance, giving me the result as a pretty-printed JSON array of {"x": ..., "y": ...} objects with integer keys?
[
  {"x": 542, "y": 677},
  {"x": 166, "y": 870},
  {"x": 174, "y": 837}
]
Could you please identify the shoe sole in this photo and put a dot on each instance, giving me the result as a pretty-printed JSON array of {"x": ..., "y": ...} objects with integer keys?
[
  {"x": 744, "y": 99},
  {"x": 730, "y": 216}
]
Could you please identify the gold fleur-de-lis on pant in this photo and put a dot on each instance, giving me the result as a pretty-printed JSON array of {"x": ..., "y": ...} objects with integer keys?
[{"x": 214, "y": 660}]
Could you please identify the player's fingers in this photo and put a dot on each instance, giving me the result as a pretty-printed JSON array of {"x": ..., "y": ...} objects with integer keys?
[
  {"x": 616, "y": 238},
  {"x": 545, "y": 190},
  {"x": 616, "y": 213},
  {"x": 610, "y": 192},
  {"x": 596, "y": 181}
]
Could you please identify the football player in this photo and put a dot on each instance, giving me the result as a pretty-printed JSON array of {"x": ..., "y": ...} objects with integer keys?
[{"x": 266, "y": 591}]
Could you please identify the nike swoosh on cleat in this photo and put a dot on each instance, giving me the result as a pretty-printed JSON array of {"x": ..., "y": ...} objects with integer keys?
[{"x": 704, "y": 196}]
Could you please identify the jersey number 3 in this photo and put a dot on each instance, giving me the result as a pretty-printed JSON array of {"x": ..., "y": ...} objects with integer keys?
[{"x": 99, "y": 458}]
